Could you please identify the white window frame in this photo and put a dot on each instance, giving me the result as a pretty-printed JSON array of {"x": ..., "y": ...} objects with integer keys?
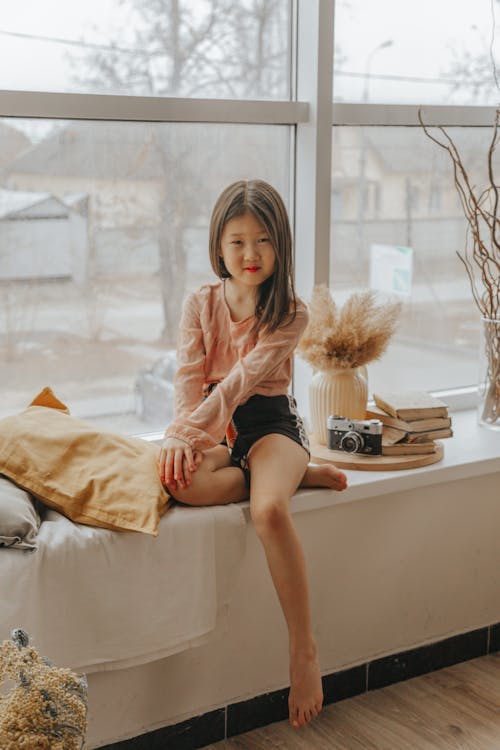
[{"x": 311, "y": 114}]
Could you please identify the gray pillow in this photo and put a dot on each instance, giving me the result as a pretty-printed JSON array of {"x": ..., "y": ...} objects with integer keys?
[{"x": 19, "y": 517}]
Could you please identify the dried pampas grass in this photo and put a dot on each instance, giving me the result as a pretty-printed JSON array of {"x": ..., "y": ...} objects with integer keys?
[{"x": 351, "y": 337}]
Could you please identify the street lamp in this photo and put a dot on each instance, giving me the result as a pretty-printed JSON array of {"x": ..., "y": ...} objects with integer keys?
[
  {"x": 368, "y": 62},
  {"x": 362, "y": 154}
]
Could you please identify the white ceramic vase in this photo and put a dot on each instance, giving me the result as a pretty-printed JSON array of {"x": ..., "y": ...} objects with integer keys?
[{"x": 337, "y": 392}]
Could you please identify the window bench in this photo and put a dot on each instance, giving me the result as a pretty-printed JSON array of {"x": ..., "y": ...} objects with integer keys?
[{"x": 397, "y": 561}]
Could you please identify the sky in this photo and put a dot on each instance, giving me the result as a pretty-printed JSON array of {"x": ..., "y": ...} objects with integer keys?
[
  {"x": 421, "y": 40},
  {"x": 426, "y": 36}
]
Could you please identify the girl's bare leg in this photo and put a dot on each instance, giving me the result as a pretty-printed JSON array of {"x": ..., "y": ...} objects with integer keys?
[
  {"x": 215, "y": 482},
  {"x": 271, "y": 490}
]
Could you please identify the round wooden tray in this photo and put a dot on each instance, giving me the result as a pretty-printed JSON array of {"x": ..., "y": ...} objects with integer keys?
[{"x": 322, "y": 454}]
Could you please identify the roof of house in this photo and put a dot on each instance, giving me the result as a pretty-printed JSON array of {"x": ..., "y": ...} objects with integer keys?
[
  {"x": 96, "y": 149},
  {"x": 408, "y": 150},
  {"x": 16, "y": 203},
  {"x": 140, "y": 151},
  {"x": 401, "y": 149}
]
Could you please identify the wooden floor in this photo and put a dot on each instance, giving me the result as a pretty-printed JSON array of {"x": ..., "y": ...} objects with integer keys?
[{"x": 453, "y": 708}]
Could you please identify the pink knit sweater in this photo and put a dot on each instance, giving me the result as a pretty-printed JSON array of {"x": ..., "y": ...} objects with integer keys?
[{"x": 213, "y": 348}]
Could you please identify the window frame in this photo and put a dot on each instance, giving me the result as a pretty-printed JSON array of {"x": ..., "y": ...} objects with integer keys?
[{"x": 310, "y": 113}]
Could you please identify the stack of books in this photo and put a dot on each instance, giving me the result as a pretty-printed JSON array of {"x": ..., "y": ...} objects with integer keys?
[{"x": 412, "y": 420}]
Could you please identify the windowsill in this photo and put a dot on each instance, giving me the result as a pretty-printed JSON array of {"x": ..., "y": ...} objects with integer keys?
[{"x": 472, "y": 451}]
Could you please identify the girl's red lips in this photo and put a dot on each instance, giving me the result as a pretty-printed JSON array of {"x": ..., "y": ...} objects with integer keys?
[{"x": 252, "y": 268}]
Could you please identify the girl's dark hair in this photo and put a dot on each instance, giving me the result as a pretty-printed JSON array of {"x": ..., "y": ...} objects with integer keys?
[{"x": 276, "y": 301}]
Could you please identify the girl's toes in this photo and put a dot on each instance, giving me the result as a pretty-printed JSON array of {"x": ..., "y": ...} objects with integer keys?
[{"x": 298, "y": 719}]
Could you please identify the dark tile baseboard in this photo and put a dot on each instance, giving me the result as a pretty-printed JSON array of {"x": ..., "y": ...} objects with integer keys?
[
  {"x": 270, "y": 707},
  {"x": 188, "y": 735},
  {"x": 419, "y": 661}
]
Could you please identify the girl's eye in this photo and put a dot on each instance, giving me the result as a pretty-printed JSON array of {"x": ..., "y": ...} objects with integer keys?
[
  {"x": 264, "y": 239},
  {"x": 236, "y": 242}
]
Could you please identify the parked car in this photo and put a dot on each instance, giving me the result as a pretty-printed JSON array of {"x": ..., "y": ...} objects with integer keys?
[{"x": 154, "y": 391}]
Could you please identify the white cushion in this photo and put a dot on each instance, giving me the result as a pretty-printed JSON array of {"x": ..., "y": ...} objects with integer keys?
[{"x": 19, "y": 517}]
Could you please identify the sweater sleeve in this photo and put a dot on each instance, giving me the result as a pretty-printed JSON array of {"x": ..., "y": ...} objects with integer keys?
[
  {"x": 190, "y": 375},
  {"x": 205, "y": 426}
]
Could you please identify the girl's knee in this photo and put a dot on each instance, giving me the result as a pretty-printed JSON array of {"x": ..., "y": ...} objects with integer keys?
[{"x": 270, "y": 514}]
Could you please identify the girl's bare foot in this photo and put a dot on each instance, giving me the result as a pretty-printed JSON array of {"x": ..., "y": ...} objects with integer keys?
[
  {"x": 324, "y": 475},
  {"x": 306, "y": 693}
]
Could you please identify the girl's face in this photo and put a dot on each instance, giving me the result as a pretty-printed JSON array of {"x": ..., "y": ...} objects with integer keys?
[{"x": 247, "y": 251}]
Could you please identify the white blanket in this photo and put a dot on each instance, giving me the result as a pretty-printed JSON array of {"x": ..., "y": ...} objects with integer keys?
[{"x": 93, "y": 599}]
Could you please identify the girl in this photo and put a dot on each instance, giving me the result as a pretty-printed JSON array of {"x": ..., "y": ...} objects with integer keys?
[{"x": 235, "y": 348}]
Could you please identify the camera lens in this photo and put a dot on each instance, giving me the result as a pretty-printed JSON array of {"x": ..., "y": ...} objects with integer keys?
[{"x": 351, "y": 442}]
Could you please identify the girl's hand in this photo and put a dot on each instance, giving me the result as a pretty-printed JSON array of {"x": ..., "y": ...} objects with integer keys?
[
  {"x": 197, "y": 458},
  {"x": 177, "y": 462}
]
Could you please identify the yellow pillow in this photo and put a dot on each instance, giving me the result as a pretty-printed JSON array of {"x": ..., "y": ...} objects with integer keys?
[{"x": 89, "y": 475}]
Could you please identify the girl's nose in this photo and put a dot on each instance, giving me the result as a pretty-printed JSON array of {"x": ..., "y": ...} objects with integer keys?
[{"x": 251, "y": 252}]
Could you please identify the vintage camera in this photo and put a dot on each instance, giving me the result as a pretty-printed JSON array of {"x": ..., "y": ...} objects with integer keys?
[{"x": 355, "y": 435}]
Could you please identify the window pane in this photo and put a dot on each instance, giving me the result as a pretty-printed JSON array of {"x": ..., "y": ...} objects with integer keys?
[
  {"x": 199, "y": 48},
  {"x": 103, "y": 230},
  {"x": 415, "y": 53},
  {"x": 409, "y": 201}
]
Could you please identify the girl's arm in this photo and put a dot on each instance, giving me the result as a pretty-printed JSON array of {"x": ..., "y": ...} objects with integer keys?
[
  {"x": 176, "y": 456},
  {"x": 205, "y": 426},
  {"x": 190, "y": 375}
]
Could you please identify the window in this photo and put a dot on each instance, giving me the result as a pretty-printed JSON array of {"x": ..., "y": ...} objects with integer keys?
[
  {"x": 183, "y": 48},
  {"x": 381, "y": 77},
  {"x": 414, "y": 53},
  {"x": 115, "y": 144},
  {"x": 435, "y": 345},
  {"x": 103, "y": 228}
]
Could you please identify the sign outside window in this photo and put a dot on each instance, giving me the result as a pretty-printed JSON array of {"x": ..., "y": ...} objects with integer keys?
[{"x": 391, "y": 269}]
